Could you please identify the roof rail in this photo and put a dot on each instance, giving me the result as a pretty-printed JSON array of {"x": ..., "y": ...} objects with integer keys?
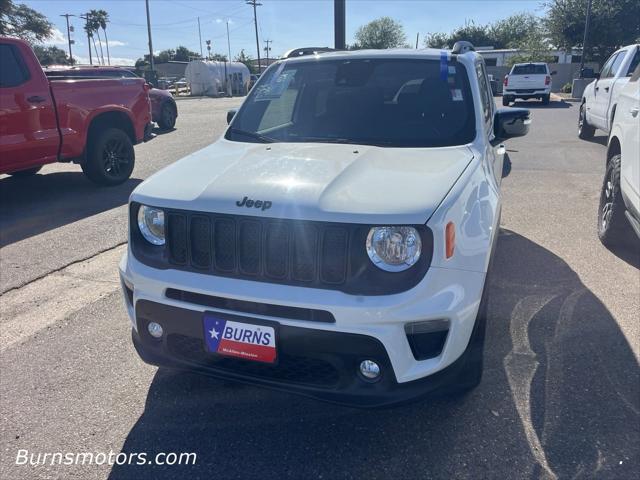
[{"x": 463, "y": 47}]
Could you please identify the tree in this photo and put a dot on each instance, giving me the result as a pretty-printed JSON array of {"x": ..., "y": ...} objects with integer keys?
[
  {"x": 436, "y": 40},
  {"x": 534, "y": 48},
  {"x": 180, "y": 54},
  {"x": 512, "y": 31},
  {"x": 52, "y": 56},
  {"x": 614, "y": 23},
  {"x": 23, "y": 22},
  {"x": 183, "y": 54},
  {"x": 219, "y": 57},
  {"x": 242, "y": 57},
  {"x": 381, "y": 33}
]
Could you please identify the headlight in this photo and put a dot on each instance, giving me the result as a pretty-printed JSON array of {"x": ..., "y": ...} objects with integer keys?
[
  {"x": 394, "y": 248},
  {"x": 151, "y": 224}
]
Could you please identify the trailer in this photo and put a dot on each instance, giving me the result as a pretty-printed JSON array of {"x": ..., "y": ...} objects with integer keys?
[{"x": 208, "y": 78}]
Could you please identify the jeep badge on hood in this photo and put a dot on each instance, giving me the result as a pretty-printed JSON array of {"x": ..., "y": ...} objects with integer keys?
[{"x": 247, "y": 202}]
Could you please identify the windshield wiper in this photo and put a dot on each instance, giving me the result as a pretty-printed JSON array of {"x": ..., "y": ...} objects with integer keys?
[{"x": 254, "y": 135}]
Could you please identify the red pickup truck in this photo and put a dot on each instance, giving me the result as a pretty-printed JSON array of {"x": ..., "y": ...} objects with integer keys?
[{"x": 92, "y": 122}]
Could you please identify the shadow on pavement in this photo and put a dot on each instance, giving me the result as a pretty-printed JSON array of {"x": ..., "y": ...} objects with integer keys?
[
  {"x": 559, "y": 399},
  {"x": 506, "y": 166},
  {"x": 52, "y": 200},
  {"x": 600, "y": 140},
  {"x": 538, "y": 104}
]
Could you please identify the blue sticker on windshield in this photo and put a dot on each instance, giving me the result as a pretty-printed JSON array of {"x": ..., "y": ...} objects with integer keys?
[{"x": 444, "y": 71}]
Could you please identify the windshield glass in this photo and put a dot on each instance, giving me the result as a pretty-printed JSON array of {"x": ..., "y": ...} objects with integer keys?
[
  {"x": 530, "y": 69},
  {"x": 387, "y": 102}
]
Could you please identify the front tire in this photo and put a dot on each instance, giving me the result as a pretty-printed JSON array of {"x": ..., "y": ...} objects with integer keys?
[
  {"x": 30, "y": 172},
  {"x": 613, "y": 227},
  {"x": 545, "y": 99},
  {"x": 110, "y": 157},
  {"x": 167, "y": 117},
  {"x": 585, "y": 131}
]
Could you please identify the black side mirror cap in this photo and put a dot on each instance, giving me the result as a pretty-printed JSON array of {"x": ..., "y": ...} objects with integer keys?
[
  {"x": 230, "y": 114},
  {"x": 511, "y": 123}
]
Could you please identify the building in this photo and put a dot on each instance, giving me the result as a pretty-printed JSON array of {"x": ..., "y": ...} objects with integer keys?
[{"x": 499, "y": 57}]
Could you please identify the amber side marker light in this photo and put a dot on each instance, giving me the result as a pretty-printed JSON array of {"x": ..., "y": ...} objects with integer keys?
[{"x": 450, "y": 239}]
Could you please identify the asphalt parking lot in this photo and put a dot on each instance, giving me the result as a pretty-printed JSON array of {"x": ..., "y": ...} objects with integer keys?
[{"x": 560, "y": 397}]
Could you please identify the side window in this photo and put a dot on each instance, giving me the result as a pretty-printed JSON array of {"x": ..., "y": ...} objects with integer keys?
[
  {"x": 486, "y": 97},
  {"x": 606, "y": 70},
  {"x": 634, "y": 63},
  {"x": 12, "y": 70},
  {"x": 617, "y": 63}
]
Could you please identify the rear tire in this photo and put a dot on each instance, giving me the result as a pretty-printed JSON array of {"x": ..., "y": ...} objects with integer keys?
[
  {"x": 110, "y": 157},
  {"x": 30, "y": 172},
  {"x": 585, "y": 131},
  {"x": 167, "y": 117},
  {"x": 613, "y": 228},
  {"x": 505, "y": 101},
  {"x": 545, "y": 99}
]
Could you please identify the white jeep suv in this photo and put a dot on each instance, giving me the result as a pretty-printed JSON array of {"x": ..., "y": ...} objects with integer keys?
[{"x": 335, "y": 241}]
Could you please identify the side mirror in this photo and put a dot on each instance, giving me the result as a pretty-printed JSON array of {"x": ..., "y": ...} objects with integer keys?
[
  {"x": 230, "y": 114},
  {"x": 510, "y": 123},
  {"x": 555, "y": 72}
]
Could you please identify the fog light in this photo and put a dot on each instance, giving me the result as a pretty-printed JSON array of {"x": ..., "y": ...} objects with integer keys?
[
  {"x": 155, "y": 330},
  {"x": 369, "y": 369}
]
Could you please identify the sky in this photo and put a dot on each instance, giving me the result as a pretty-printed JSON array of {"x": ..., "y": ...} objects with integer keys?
[{"x": 288, "y": 23}]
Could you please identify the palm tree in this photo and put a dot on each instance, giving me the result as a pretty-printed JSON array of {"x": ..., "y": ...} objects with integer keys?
[{"x": 98, "y": 19}]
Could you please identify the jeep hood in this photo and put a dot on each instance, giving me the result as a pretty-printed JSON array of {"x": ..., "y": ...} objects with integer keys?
[{"x": 310, "y": 181}]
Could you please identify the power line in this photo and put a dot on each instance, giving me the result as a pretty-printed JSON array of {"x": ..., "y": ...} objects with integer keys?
[{"x": 255, "y": 4}]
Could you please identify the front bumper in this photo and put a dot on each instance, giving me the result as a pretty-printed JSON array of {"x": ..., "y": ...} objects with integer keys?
[
  {"x": 364, "y": 328},
  {"x": 315, "y": 363}
]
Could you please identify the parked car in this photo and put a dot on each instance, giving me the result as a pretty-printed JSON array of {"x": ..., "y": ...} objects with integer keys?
[
  {"x": 93, "y": 122},
  {"x": 526, "y": 81},
  {"x": 334, "y": 242},
  {"x": 619, "y": 210},
  {"x": 600, "y": 97},
  {"x": 164, "y": 110}
]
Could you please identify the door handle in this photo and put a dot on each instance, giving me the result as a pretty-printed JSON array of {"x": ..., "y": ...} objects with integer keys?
[
  {"x": 634, "y": 111},
  {"x": 606, "y": 89},
  {"x": 597, "y": 88},
  {"x": 35, "y": 99}
]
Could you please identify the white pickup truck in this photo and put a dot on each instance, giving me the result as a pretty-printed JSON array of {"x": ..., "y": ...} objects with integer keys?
[
  {"x": 527, "y": 80},
  {"x": 600, "y": 98},
  {"x": 620, "y": 195}
]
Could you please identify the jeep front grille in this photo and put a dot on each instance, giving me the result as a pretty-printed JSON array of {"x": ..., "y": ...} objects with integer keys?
[{"x": 294, "y": 252}]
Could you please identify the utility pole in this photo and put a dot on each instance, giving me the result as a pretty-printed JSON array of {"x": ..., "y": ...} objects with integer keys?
[
  {"x": 266, "y": 49},
  {"x": 208, "y": 42},
  {"x": 586, "y": 37},
  {"x": 228, "y": 42},
  {"x": 417, "y": 38},
  {"x": 67, "y": 15},
  {"x": 339, "y": 24},
  {"x": 200, "y": 36},
  {"x": 86, "y": 19},
  {"x": 255, "y": 4},
  {"x": 149, "y": 33}
]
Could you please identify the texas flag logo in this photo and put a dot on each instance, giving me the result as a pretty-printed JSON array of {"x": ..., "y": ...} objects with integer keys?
[{"x": 242, "y": 340}]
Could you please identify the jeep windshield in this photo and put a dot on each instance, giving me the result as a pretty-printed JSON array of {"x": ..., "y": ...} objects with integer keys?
[{"x": 384, "y": 102}]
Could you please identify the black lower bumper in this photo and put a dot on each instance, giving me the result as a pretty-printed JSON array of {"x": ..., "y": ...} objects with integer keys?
[{"x": 316, "y": 363}]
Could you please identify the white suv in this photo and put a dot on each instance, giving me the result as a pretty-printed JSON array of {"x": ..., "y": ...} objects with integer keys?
[
  {"x": 336, "y": 241},
  {"x": 620, "y": 196}
]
